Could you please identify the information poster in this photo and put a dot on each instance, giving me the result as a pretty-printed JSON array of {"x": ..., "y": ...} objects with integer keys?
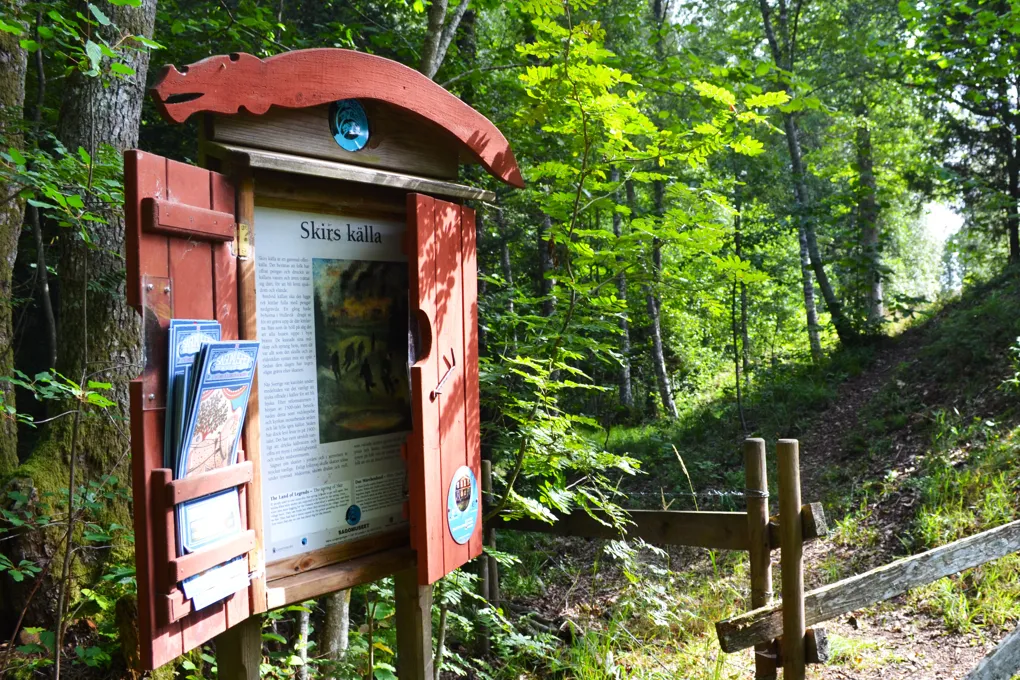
[{"x": 332, "y": 306}]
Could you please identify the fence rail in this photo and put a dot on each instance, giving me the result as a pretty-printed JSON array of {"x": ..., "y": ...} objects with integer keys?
[{"x": 873, "y": 586}]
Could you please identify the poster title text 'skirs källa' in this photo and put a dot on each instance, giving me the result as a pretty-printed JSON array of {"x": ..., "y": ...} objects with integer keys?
[{"x": 362, "y": 233}]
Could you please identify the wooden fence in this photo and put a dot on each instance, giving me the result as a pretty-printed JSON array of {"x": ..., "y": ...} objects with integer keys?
[{"x": 779, "y": 632}]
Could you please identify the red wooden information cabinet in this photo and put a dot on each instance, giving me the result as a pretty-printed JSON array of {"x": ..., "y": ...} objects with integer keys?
[{"x": 271, "y": 140}]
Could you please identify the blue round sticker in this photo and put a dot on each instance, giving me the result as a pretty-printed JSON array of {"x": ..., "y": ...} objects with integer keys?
[
  {"x": 349, "y": 124},
  {"x": 353, "y": 515},
  {"x": 462, "y": 505}
]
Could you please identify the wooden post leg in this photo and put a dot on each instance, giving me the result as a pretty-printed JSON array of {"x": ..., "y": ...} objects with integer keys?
[
  {"x": 239, "y": 650},
  {"x": 414, "y": 627},
  {"x": 791, "y": 544},
  {"x": 757, "y": 498}
]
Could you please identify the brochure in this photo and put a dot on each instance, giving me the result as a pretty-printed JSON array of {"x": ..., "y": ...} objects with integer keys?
[
  {"x": 222, "y": 384},
  {"x": 186, "y": 339}
]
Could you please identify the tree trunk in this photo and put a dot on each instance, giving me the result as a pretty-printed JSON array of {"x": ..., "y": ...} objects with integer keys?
[
  {"x": 100, "y": 334},
  {"x": 809, "y": 297},
  {"x": 738, "y": 236},
  {"x": 802, "y": 204},
  {"x": 439, "y": 35},
  {"x": 13, "y": 67},
  {"x": 624, "y": 378},
  {"x": 545, "y": 266},
  {"x": 658, "y": 355},
  {"x": 336, "y": 626},
  {"x": 867, "y": 216},
  {"x": 1012, "y": 214},
  {"x": 304, "y": 621}
]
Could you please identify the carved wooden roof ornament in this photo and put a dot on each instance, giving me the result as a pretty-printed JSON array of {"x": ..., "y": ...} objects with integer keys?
[{"x": 226, "y": 84}]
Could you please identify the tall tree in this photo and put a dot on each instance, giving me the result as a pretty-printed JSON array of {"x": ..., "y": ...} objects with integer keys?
[
  {"x": 783, "y": 47},
  {"x": 13, "y": 66},
  {"x": 965, "y": 56}
]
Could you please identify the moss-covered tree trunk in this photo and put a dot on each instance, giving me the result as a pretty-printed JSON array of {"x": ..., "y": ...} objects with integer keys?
[
  {"x": 99, "y": 334},
  {"x": 13, "y": 65}
]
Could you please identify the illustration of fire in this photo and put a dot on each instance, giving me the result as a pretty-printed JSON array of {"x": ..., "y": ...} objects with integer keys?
[{"x": 219, "y": 420}]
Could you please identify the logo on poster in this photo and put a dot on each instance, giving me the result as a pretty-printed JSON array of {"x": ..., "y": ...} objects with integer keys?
[{"x": 462, "y": 505}]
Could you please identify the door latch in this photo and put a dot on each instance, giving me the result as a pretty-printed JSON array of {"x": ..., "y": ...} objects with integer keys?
[{"x": 451, "y": 363}]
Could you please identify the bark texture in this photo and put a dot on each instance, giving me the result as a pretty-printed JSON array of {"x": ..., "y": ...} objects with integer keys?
[
  {"x": 654, "y": 311},
  {"x": 336, "y": 626},
  {"x": 624, "y": 378},
  {"x": 13, "y": 66},
  {"x": 441, "y": 30},
  {"x": 867, "y": 218},
  {"x": 99, "y": 333}
]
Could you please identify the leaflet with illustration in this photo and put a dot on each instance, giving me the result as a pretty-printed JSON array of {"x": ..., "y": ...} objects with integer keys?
[
  {"x": 186, "y": 339},
  {"x": 332, "y": 311},
  {"x": 215, "y": 414}
]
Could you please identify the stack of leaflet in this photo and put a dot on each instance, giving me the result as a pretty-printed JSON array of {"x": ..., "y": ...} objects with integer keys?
[{"x": 208, "y": 385}]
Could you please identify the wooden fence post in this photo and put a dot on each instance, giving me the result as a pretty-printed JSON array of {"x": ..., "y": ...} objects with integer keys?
[
  {"x": 756, "y": 496},
  {"x": 791, "y": 560}
]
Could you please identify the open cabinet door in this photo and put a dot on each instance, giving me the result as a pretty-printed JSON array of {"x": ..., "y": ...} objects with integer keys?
[
  {"x": 180, "y": 264},
  {"x": 444, "y": 450}
]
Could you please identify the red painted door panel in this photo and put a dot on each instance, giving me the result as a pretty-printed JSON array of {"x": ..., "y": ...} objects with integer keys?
[
  {"x": 171, "y": 272},
  {"x": 444, "y": 380}
]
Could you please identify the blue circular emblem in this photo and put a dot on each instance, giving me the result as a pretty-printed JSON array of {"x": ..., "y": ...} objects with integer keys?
[
  {"x": 349, "y": 124},
  {"x": 353, "y": 515},
  {"x": 462, "y": 505}
]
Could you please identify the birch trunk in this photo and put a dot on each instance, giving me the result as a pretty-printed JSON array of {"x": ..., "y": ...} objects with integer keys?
[
  {"x": 624, "y": 378},
  {"x": 867, "y": 216},
  {"x": 337, "y": 626},
  {"x": 653, "y": 302}
]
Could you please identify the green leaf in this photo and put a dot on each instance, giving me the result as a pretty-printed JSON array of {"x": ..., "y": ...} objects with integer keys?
[
  {"x": 16, "y": 156},
  {"x": 29, "y": 45},
  {"x": 762, "y": 69},
  {"x": 84, "y": 156},
  {"x": 761, "y": 101},
  {"x": 94, "y": 53},
  {"x": 177, "y": 27},
  {"x": 719, "y": 94},
  {"x": 98, "y": 14},
  {"x": 10, "y": 28}
]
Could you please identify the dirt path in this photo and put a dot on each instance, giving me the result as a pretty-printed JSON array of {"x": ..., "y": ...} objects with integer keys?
[{"x": 890, "y": 640}]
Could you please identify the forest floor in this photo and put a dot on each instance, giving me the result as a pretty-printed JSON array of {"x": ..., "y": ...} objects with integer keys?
[{"x": 909, "y": 445}]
